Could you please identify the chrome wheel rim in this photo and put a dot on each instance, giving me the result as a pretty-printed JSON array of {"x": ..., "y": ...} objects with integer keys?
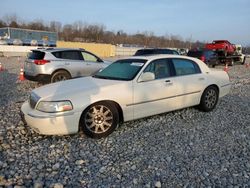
[
  {"x": 210, "y": 98},
  {"x": 98, "y": 119},
  {"x": 60, "y": 77}
]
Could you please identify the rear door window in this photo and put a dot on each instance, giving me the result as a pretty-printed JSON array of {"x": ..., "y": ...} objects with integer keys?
[
  {"x": 72, "y": 55},
  {"x": 36, "y": 55},
  {"x": 185, "y": 67}
]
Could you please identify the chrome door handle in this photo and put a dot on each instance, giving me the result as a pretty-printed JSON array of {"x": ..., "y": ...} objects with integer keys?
[{"x": 168, "y": 82}]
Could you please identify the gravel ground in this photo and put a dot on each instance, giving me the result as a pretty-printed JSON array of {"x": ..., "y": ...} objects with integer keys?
[{"x": 185, "y": 148}]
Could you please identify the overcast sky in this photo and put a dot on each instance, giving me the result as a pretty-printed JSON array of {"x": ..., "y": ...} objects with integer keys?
[{"x": 203, "y": 20}]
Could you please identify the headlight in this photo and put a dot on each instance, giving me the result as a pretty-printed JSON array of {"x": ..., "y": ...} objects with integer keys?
[{"x": 54, "y": 106}]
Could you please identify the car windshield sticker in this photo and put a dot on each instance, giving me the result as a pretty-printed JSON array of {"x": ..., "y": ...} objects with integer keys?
[{"x": 137, "y": 64}]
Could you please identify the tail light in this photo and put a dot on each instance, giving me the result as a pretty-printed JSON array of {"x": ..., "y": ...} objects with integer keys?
[
  {"x": 41, "y": 62},
  {"x": 203, "y": 58}
]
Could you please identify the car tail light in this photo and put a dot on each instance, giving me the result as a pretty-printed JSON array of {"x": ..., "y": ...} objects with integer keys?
[
  {"x": 203, "y": 58},
  {"x": 41, "y": 62}
]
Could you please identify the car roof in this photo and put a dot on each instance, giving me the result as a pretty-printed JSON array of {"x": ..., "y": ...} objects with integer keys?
[
  {"x": 56, "y": 49},
  {"x": 156, "y": 56},
  {"x": 160, "y": 56},
  {"x": 155, "y": 49}
]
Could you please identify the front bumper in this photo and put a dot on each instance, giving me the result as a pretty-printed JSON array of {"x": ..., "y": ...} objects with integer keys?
[{"x": 50, "y": 123}]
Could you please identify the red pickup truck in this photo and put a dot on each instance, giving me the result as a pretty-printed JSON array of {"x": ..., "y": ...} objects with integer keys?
[{"x": 222, "y": 46}]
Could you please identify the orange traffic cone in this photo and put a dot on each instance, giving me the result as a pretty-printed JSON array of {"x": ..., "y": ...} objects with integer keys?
[
  {"x": 21, "y": 75},
  {"x": 1, "y": 67},
  {"x": 226, "y": 68}
]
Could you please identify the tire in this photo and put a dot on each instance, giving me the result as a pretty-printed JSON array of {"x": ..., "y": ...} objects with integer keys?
[
  {"x": 99, "y": 120},
  {"x": 209, "y": 99},
  {"x": 244, "y": 60},
  {"x": 60, "y": 76},
  {"x": 231, "y": 63},
  {"x": 225, "y": 52}
]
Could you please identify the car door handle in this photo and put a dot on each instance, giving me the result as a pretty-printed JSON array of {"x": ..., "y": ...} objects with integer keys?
[
  {"x": 201, "y": 79},
  {"x": 66, "y": 63},
  {"x": 168, "y": 82}
]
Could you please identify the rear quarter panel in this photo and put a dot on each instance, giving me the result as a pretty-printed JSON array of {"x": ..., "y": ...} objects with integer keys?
[
  {"x": 215, "y": 77},
  {"x": 54, "y": 65},
  {"x": 221, "y": 79}
]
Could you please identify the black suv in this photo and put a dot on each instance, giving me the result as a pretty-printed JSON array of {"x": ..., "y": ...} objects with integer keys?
[
  {"x": 207, "y": 56},
  {"x": 154, "y": 51}
]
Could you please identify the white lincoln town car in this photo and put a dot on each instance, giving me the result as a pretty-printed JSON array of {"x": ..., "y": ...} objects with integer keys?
[{"x": 128, "y": 89}]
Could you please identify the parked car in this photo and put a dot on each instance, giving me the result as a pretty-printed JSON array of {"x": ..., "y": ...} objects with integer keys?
[
  {"x": 153, "y": 51},
  {"x": 17, "y": 42},
  {"x": 52, "y": 43},
  {"x": 183, "y": 51},
  {"x": 33, "y": 43},
  {"x": 128, "y": 89},
  {"x": 224, "y": 47},
  {"x": 207, "y": 56},
  {"x": 10, "y": 41},
  {"x": 26, "y": 42},
  {"x": 3, "y": 42},
  {"x": 55, "y": 64}
]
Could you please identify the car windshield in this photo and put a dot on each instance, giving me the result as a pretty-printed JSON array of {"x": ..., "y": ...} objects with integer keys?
[
  {"x": 194, "y": 53},
  {"x": 154, "y": 51},
  {"x": 218, "y": 41},
  {"x": 125, "y": 69}
]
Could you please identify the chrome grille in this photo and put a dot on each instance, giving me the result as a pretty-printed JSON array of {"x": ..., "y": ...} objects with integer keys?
[{"x": 33, "y": 100}]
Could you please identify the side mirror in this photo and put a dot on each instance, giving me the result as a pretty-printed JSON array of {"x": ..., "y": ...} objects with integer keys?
[{"x": 146, "y": 76}]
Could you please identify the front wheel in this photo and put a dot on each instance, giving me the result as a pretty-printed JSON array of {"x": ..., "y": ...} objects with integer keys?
[
  {"x": 99, "y": 120},
  {"x": 209, "y": 99}
]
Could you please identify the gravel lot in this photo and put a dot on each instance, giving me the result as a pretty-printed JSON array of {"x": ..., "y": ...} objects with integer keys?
[{"x": 185, "y": 148}]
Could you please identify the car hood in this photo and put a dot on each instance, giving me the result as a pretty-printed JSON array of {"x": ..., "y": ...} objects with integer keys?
[{"x": 64, "y": 89}]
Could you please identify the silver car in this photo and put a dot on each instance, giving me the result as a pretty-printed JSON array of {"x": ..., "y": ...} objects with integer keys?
[{"x": 56, "y": 64}]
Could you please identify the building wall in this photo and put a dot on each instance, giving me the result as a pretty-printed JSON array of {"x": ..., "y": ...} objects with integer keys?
[
  {"x": 23, "y": 34},
  {"x": 102, "y": 50}
]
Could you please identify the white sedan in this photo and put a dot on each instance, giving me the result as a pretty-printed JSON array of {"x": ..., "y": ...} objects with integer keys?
[{"x": 128, "y": 89}]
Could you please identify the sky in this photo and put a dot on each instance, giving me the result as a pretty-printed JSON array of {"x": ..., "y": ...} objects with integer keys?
[{"x": 203, "y": 20}]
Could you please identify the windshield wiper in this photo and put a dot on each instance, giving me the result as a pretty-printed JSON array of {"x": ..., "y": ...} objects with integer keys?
[
  {"x": 108, "y": 77},
  {"x": 103, "y": 77}
]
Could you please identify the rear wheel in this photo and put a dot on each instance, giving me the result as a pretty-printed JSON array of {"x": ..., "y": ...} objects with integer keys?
[
  {"x": 99, "y": 120},
  {"x": 244, "y": 60},
  {"x": 225, "y": 52},
  {"x": 231, "y": 62},
  {"x": 209, "y": 99},
  {"x": 60, "y": 76}
]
